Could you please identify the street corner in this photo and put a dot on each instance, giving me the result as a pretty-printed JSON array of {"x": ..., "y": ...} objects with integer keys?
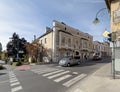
[
  {"x": 94, "y": 82},
  {"x": 89, "y": 84}
]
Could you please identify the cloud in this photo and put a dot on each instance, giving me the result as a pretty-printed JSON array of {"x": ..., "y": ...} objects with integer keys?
[
  {"x": 17, "y": 17},
  {"x": 29, "y": 17}
]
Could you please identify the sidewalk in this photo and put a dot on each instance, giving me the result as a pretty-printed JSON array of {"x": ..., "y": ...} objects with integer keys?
[{"x": 100, "y": 81}]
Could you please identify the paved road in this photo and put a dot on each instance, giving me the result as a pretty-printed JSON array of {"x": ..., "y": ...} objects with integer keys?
[{"x": 45, "y": 78}]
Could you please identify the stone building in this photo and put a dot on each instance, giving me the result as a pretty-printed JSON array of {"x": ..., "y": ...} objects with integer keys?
[
  {"x": 113, "y": 7},
  {"x": 102, "y": 48},
  {"x": 62, "y": 40}
]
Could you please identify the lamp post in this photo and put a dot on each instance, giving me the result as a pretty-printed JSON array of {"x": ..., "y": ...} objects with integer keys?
[
  {"x": 112, "y": 37},
  {"x": 96, "y": 17}
]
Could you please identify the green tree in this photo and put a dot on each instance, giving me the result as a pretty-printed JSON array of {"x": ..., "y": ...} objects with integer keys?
[
  {"x": 16, "y": 47},
  {"x": 0, "y": 47}
]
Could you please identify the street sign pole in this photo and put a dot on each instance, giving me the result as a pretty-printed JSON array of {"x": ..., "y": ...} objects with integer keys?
[{"x": 113, "y": 60}]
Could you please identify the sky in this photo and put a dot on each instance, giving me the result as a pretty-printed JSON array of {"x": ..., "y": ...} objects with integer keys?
[{"x": 30, "y": 17}]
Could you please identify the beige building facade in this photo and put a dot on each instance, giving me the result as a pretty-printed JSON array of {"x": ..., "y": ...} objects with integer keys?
[
  {"x": 102, "y": 48},
  {"x": 62, "y": 40},
  {"x": 114, "y": 10}
]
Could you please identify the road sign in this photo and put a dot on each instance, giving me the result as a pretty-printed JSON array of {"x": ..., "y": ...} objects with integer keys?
[{"x": 105, "y": 34}]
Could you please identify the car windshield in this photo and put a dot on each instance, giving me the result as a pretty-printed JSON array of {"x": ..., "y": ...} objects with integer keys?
[{"x": 66, "y": 57}]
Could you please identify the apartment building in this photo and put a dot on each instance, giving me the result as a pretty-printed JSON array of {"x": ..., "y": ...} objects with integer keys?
[
  {"x": 62, "y": 40},
  {"x": 113, "y": 7}
]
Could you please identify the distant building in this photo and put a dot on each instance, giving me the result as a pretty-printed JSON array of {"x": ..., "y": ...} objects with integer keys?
[
  {"x": 62, "y": 40},
  {"x": 102, "y": 48}
]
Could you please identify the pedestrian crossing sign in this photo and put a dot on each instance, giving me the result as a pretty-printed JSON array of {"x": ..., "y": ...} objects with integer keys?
[{"x": 105, "y": 34}]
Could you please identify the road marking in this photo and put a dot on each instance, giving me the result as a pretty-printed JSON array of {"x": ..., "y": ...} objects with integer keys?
[
  {"x": 11, "y": 81},
  {"x": 45, "y": 71},
  {"x": 56, "y": 75},
  {"x": 74, "y": 80},
  {"x": 53, "y": 72},
  {"x": 16, "y": 83},
  {"x": 41, "y": 69},
  {"x": 12, "y": 76},
  {"x": 16, "y": 89},
  {"x": 62, "y": 78},
  {"x": 75, "y": 72}
]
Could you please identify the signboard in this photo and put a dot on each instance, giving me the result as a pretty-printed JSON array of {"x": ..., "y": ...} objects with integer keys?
[
  {"x": 116, "y": 16},
  {"x": 105, "y": 34}
]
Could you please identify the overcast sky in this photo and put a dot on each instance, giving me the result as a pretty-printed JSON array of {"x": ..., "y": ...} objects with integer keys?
[{"x": 30, "y": 17}]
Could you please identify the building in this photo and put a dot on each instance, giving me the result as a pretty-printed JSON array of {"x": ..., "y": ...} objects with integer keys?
[
  {"x": 113, "y": 7},
  {"x": 62, "y": 40},
  {"x": 102, "y": 48}
]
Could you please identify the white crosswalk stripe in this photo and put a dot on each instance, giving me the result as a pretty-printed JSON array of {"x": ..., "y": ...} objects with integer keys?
[
  {"x": 14, "y": 83},
  {"x": 44, "y": 71},
  {"x": 53, "y": 72},
  {"x": 59, "y": 74},
  {"x": 16, "y": 89},
  {"x": 11, "y": 81},
  {"x": 62, "y": 78},
  {"x": 47, "y": 71},
  {"x": 66, "y": 77},
  {"x": 74, "y": 80}
]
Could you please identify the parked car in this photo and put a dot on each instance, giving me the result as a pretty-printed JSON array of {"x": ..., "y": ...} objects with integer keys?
[
  {"x": 69, "y": 60},
  {"x": 97, "y": 57}
]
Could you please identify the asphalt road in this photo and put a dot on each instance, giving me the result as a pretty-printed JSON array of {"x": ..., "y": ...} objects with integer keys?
[{"x": 46, "y": 78}]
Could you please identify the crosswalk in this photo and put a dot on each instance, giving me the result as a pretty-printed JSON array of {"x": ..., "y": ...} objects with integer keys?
[
  {"x": 66, "y": 77},
  {"x": 14, "y": 82}
]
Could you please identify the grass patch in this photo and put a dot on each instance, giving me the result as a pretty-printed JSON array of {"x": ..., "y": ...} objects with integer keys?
[{"x": 16, "y": 63}]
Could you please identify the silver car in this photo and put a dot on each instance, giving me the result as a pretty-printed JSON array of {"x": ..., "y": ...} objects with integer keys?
[{"x": 69, "y": 60}]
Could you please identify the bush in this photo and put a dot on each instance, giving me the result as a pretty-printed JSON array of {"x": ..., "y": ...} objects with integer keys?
[
  {"x": 17, "y": 63},
  {"x": 1, "y": 67},
  {"x": 11, "y": 63}
]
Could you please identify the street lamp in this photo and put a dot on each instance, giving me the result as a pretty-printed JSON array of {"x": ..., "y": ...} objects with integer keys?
[{"x": 96, "y": 18}]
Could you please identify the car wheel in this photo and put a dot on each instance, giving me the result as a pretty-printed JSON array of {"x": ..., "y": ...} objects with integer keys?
[{"x": 68, "y": 65}]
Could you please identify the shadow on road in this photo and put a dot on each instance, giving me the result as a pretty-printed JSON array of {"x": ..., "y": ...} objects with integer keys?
[
  {"x": 94, "y": 62},
  {"x": 2, "y": 74}
]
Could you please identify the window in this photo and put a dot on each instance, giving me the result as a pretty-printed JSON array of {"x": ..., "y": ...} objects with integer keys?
[
  {"x": 77, "y": 42},
  {"x": 63, "y": 39},
  {"x": 45, "y": 40},
  {"x": 69, "y": 41},
  {"x": 41, "y": 41}
]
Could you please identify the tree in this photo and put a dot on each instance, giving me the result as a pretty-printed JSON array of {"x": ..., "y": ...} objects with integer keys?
[
  {"x": 0, "y": 50},
  {"x": 16, "y": 47},
  {"x": 35, "y": 51},
  {"x": 0, "y": 47}
]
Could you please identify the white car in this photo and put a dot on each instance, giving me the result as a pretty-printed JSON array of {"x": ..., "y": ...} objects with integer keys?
[{"x": 69, "y": 60}]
